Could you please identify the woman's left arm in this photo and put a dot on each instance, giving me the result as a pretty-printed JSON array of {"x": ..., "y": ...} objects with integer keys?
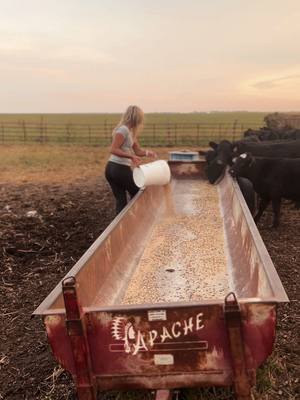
[{"x": 141, "y": 152}]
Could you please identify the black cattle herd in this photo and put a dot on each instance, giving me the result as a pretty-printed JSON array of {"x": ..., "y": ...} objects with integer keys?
[{"x": 265, "y": 164}]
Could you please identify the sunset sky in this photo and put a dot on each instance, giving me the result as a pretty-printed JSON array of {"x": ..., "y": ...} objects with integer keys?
[{"x": 164, "y": 55}]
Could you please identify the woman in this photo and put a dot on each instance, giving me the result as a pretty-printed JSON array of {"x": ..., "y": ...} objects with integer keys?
[{"x": 125, "y": 151}]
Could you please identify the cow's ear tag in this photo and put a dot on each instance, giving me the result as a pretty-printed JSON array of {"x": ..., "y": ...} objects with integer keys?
[{"x": 244, "y": 155}]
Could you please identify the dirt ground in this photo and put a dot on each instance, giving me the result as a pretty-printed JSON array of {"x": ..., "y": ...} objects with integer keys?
[{"x": 37, "y": 251}]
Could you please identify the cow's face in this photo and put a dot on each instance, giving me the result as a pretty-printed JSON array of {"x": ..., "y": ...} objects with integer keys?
[
  {"x": 210, "y": 156},
  {"x": 213, "y": 145},
  {"x": 240, "y": 164},
  {"x": 221, "y": 157}
]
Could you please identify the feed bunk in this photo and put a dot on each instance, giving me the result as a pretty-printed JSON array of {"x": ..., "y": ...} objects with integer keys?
[{"x": 178, "y": 291}]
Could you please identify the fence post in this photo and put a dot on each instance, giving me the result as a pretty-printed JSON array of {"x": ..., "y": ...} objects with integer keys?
[
  {"x": 24, "y": 132},
  {"x": 105, "y": 130},
  {"x": 220, "y": 131},
  {"x": 68, "y": 132},
  {"x": 89, "y": 134},
  {"x": 2, "y": 131},
  {"x": 168, "y": 134},
  {"x": 110, "y": 131},
  {"x": 154, "y": 135},
  {"x": 198, "y": 135},
  {"x": 45, "y": 133},
  {"x": 234, "y": 129},
  {"x": 42, "y": 129}
]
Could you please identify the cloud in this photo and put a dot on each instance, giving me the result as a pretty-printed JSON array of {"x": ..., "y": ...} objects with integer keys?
[{"x": 271, "y": 83}]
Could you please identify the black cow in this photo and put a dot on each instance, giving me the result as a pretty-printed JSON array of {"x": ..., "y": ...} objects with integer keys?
[
  {"x": 261, "y": 134},
  {"x": 293, "y": 134},
  {"x": 285, "y": 149},
  {"x": 267, "y": 134},
  {"x": 248, "y": 193},
  {"x": 272, "y": 179},
  {"x": 222, "y": 154},
  {"x": 209, "y": 155},
  {"x": 219, "y": 157},
  {"x": 251, "y": 132}
]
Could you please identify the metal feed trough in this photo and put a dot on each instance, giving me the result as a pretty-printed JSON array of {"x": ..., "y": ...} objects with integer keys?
[{"x": 107, "y": 343}]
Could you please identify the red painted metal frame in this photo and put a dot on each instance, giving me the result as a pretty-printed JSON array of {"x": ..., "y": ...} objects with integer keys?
[
  {"x": 236, "y": 337},
  {"x": 75, "y": 326},
  {"x": 83, "y": 332},
  {"x": 233, "y": 319}
]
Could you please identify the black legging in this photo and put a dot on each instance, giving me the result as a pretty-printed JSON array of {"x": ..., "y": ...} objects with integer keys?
[{"x": 121, "y": 180}]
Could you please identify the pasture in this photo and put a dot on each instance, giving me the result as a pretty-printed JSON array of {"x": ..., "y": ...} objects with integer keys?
[
  {"x": 150, "y": 118},
  {"x": 160, "y": 129},
  {"x": 65, "y": 185}
]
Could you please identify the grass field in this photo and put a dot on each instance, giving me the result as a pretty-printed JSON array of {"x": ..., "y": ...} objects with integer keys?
[
  {"x": 56, "y": 164},
  {"x": 152, "y": 118},
  {"x": 161, "y": 129}
]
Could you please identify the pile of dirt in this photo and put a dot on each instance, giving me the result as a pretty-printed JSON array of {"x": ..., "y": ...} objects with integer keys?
[
  {"x": 44, "y": 230},
  {"x": 39, "y": 247}
]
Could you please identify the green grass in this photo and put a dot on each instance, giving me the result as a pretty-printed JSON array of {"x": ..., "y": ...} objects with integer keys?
[
  {"x": 150, "y": 118},
  {"x": 161, "y": 129}
]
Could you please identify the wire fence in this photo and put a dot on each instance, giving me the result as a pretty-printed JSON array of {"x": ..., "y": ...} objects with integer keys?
[{"x": 154, "y": 134}]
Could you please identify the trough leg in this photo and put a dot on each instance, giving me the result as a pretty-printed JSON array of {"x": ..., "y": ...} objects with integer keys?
[
  {"x": 233, "y": 321},
  {"x": 85, "y": 382}
]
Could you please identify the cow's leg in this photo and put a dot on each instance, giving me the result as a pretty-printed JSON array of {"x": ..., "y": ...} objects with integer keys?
[
  {"x": 262, "y": 206},
  {"x": 276, "y": 204}
]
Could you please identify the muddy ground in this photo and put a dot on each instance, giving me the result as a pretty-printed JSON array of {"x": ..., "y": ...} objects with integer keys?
[{"x": 37, "y": 251}]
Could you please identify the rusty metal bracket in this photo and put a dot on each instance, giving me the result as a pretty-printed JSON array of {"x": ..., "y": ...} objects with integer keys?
[
  {"x": 233, "y": 320},
  {"x": 75, "y": 325}
]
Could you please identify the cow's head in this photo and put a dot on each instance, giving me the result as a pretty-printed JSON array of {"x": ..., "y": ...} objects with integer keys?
[
  {"x": 221, "y": 157},
  {"x": 213, "y": 145},
  {"x": 209, "y": 155},
  {"x": 241, "y": 164}
]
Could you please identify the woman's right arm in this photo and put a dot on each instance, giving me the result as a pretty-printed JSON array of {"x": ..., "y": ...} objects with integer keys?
[{"x": 115, "y": 149}]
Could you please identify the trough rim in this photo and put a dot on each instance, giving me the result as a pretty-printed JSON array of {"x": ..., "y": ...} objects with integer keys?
[{"x": 44, "y": 308}]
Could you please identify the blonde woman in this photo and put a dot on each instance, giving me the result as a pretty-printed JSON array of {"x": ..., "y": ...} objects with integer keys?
[{"x": 125, "y": 152}]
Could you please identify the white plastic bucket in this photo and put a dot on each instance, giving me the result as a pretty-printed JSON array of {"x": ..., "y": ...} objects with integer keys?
[{"x": 154, "y": 173}]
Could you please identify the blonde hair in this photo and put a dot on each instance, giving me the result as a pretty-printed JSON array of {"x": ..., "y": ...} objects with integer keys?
[{"x": 133, "y": 117}]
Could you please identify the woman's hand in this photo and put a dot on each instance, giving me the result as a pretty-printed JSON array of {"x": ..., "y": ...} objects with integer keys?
[
  {"x": 136, "y": 161},
  {"x": 151, "y": 154}
]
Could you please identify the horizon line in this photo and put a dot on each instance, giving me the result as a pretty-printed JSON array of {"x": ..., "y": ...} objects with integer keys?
[{"x": 152, "y": 112}]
